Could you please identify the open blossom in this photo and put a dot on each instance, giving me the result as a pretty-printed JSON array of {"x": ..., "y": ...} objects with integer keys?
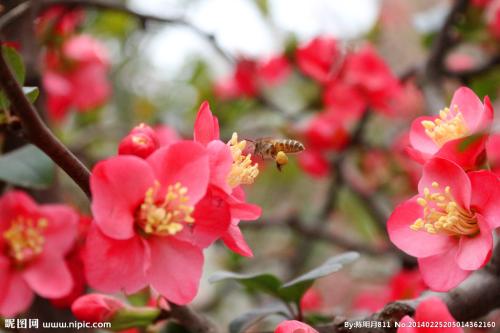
[
  {"x": 430, "y": 310},
  {"x": 230, "y": 167},
  {"x": 250, "y": 76},
  {"x": 146, "y": 223},
  {"x": 34, "y": 241},
  {"x": 76, "y": 76},
  {"x": 448, "y": 225},
  {"x": 294, "y": 326},
  {"x": 458, "y": 133},
  {"x": 317, "y": 58}
]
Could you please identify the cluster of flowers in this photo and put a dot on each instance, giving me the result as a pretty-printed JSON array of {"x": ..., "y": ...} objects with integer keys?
[
  {"x": 156, "y": 206},
  {"x": 350, "y": 82},
  {"x": 449, "y": 224},
  {"x": 75, "y": 66}
]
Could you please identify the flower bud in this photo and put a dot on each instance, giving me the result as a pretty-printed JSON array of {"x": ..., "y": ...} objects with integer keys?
[
  {"x": 96, "y": 308},
  {"x": 142, "y": 141}
]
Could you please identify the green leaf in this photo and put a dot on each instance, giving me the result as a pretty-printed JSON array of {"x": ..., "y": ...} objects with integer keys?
[
  {"x": 15, "y": 62},
  {"x": 27, "y": 167},
  {"x": 294, "y": 290},
  {"x": 263, "y": 282},
  {"x": 247, "y": 319},
  {"x": 31, "y": 93}
]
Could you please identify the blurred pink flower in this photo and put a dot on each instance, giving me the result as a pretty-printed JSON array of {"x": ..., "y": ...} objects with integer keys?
[
  {"x": 430, "y": 310},
  {"x": 34, "y": 242},
  {"x": 448, "y": 226},
  {"x": 311, "y": 301},
  {"x": 459, "y": 133},
  {"x": 142, "y": 141},
  {"x": 58, "y": 20},
  {"x": 294, "y": 326},
  {"x": 317, "y": 57}
]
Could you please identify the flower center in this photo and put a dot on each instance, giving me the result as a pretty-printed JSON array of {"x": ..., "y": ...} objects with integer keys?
[
  {"x": 443, "y": 214},
  {"x": 449, "y": 126},
  {"x": 25, "y": 238},
  {"x": 243, "y": 170},
  {"x": 167, "y": 216}
]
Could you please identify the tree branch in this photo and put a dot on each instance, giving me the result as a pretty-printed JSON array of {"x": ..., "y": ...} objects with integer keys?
[
  {"x": 191, "y": 320},
  {"x": 38, "y": 133}
]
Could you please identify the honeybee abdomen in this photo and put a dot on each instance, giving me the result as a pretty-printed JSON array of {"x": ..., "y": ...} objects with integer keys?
[{"x": 289, "y": 146}]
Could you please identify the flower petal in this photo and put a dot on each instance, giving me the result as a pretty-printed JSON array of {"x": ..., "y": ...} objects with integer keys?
[
  {"x": 468, "y": 152},
  {"x": 486, "y": 196},
  {"x": 115, "y": 265},
  {"x": 62, "y": 227},
  {"x": 206, "y": 126},
  {"x": 474, "y": 252},
  {"x": 235, "y": 241},
  {"x": 419, "y": 140},
  {"x": 12, "y": 205},
  {"x": 447, "y": 173},
  {"x": 118, "y": 187},
  {"x": 18, "y": 297},
  {"x": 176, "y": 268},
  {"x": 469, "y": 105},
  {"x": 441, "y": 272},
  {"x": 416, "y": 243},
  {"x": 434, "y": 310},
  {"x": 49, "y": 276},
  {"x": 221, "y": 161}
]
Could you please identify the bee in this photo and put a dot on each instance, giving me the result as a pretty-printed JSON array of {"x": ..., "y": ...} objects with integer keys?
[{"x": 276, "y": 149}]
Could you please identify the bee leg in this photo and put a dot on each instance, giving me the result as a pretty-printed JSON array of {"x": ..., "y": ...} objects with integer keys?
[{"x": 279, "y": 166}]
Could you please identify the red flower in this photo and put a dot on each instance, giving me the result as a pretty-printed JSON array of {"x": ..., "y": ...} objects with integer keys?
[
  {"x": 142, "y": 141},
  {"x": 326, "y": 132},
  {"x": 294, "y": 326},
  {"x": 316, "y": 58},
  {"x": 96, "y": 308},
  {"x": 77, "y": 78},
  {"x": 448, "y": 226},
  {"x": 58, "y": 20},
  {"x": 344, "y": 102},
  {"x": 314, "y": 163},
  {"x": 369, "y": 73},
  {"x": 274, "y": 70},
  {"x": 144, "y": 223},
  {"x": 34, "y": 240},
  {"x": 430, "y": 310},
  {"x": 229, "y": 168},
  {"x": 458, "y": 134},
  {"x": 493, "y": 18},
  {"x": 311, "y": 301}
]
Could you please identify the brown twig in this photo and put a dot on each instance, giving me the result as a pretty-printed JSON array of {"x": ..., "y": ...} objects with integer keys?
[
  {"x": 38, "y": 133},
  {"x": 191, "y": 320}
]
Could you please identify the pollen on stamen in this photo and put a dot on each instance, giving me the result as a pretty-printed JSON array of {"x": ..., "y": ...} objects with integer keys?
[
  {"x": 167, "y": 216},
  {"x": 25, "y": 238},
  {"x": 449, "y": 126},
  {"x": 243, "y": 170},
  {"x": 442, "y": 214}
]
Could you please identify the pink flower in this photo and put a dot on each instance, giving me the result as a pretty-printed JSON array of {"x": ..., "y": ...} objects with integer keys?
[
  {"x": 34, "y": 240},
  {"x": 76, "y": 77},
  {"x": 142, "y": 141},
  {"x": 166, "y": 135},
  {"x": 493, "y": 18},
  {"x": 314, "y": 162},
  {"x": 146, "y": 222},
  {"x": 448, "y": 225},
  {"x": 274, "y": 70},
  {"x": 344, "y": 102},
  {"x": 430, "y": 310},
  {"x": 294, "y": 326},
  {"x": 325, "y": 132},
  {"x": 58, "y": 20},
  {"x": 96, "y": 308},
  {"x": 311, "y": 301},
  {"x": 405, "y": 284},
  {"x": 458, "y": 134},
  {"x": 367, "y": 71},
  {"x": 317, "y": 58},
  {"x": 230, "y": 167}
]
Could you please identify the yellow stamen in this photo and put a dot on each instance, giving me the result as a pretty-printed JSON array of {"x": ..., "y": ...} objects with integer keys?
[
  {"x": 449, "y": 126},
  {"x": 243, "y": 170},
  {"x": 167, "y": 217},
  {"x": 442, "y": 214},
  {"x": 139, "y": 140},
  {"x": 25, "y": 238}
]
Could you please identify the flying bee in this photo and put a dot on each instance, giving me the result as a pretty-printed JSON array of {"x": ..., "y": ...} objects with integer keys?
[{"x": 276, "y": 149}]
